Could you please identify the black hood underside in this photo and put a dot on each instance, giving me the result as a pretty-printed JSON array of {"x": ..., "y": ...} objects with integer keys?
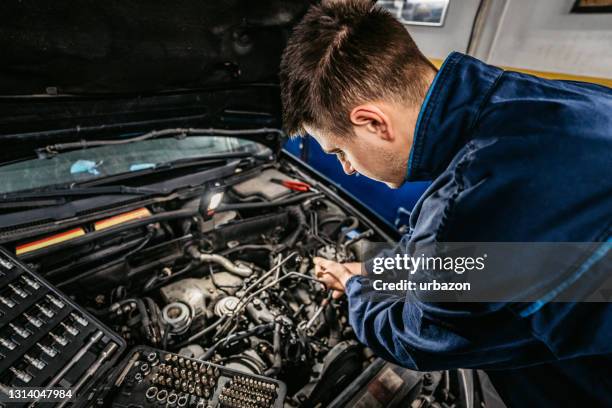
[
  {"x": 101, "y": 47},
  {"x": 88, "y": 70}
]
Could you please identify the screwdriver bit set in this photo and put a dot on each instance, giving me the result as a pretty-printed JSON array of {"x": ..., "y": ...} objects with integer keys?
[
  {"x": 46, "y": 340},
  {"x": 155, "y": 378}
]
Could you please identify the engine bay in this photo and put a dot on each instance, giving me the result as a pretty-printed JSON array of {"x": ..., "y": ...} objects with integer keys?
[
  {"x": 224, "y": 274},
  {"x": 234, "y": 285}
]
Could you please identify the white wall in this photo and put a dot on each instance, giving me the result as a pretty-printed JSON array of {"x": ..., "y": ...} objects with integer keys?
[
  {"x": 438, "y": 42},
  {"x": 543, "y": 35},
  {"x": 540, "y": 35}
]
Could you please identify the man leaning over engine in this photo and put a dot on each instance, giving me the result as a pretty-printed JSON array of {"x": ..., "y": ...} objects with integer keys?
[{"x": 513, "y": 158}]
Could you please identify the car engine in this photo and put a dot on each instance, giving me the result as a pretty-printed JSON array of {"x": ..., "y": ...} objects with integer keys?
[
  {"x": 223, "y": 273},
  {"x": 234, "y": 285}
]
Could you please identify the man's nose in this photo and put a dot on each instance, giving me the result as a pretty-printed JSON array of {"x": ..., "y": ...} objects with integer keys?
[{"x": 346, "y": 166}]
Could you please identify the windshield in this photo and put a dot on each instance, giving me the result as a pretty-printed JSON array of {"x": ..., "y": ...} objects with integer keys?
[{"x": 98, "y": 162}]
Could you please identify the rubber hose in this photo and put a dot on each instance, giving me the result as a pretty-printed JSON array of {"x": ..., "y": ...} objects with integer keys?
[{"x": 269, "y": 204}]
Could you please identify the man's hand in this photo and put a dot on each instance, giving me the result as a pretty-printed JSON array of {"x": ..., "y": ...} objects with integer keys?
[{"x": 335, "y": 275}]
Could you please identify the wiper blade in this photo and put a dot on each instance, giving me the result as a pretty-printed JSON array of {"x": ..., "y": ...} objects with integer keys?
[
  {"x": 212, "y": 160},
  {"x": 58, "y": 195},
  {"x": 209, "y": 159},
  {"x": 52, "y": 150}
]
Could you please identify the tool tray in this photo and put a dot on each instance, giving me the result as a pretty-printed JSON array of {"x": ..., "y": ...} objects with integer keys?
[
  {"x": 42, "y": 333},
  {"x": 152, "y": 378}
]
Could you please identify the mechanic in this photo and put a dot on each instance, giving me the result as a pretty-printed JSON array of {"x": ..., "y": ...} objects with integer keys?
[{"x": 513, "y": 158}]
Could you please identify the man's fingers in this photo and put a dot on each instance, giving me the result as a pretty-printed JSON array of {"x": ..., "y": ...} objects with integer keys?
[
  {"x": 323, "y": 266},
  {"x": 318, "y": 259},
  {"x": 331, "y": 274},
  {"x": 330, "y": 281},
  {"x": 326, "y": 271},
  {"x": 323, "y": 263}
]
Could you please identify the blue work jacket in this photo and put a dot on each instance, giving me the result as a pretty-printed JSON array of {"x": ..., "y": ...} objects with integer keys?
[{"x": 513, "y": 158}]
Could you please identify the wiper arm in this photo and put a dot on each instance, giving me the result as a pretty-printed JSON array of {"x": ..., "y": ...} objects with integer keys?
[
  {"x": 52, "y": 150},
  {"x": 212, "y": 160},
  {"x": 209, "y": 159},
  {"x": 57, "y": 196}
]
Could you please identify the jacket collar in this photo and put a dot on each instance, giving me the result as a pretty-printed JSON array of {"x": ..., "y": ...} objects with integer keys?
[{"x": 448, "y": 114}]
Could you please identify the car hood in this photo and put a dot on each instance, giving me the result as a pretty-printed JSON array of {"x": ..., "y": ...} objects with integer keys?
[{"x": 73, "y": 66}]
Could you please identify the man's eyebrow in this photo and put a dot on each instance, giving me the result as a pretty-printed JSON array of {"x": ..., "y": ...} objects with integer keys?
[{"x": 332, "y": 151}]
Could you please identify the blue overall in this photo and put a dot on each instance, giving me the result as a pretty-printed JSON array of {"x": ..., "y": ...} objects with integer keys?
[{"x": 513, "y": 158}]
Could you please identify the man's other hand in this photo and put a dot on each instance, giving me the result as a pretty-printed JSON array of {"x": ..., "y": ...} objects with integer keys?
[{"x": 335, "y": 275}]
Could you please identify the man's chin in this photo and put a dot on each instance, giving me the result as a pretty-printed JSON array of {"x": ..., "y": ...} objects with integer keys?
[{"x": 393, "y": 186}]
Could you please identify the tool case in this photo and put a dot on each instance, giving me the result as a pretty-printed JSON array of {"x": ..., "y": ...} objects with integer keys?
[
  {"x": 47, "y": 341},
  {"x": 152, "y": 378}
]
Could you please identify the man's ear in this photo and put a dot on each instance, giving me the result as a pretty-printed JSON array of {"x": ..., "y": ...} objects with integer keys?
[{"x": 372, "y": 118}]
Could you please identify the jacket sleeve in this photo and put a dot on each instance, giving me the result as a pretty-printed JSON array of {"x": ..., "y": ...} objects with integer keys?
[
  {"x": 426, "y": 336},
  {"x": 483, "y": 206}
]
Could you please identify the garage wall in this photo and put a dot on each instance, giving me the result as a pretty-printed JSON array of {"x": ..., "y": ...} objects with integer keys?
[
  {"x": 543, "y": 35},
  {"x": 454, "y": 35}
]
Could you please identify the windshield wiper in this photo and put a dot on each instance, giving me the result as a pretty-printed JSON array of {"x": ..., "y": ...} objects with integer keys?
[
  {"x": 209, "y": 159},
  {"x": 52, "y": 150},
  {"x": 58, "y": 195},
  {"x": 212, "y": 160}
]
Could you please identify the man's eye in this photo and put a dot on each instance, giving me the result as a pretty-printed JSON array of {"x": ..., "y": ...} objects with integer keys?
[{"x": 340, "y": 155}]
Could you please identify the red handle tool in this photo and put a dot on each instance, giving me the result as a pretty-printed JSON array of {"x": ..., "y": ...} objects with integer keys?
[{"x": 292, "y": 185}]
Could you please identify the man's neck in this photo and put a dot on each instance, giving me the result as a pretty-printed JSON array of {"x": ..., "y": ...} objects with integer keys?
[{"x": 412, "y": 114}]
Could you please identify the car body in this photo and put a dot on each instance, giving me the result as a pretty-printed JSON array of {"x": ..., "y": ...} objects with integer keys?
[{"x": 122, "y": 125}]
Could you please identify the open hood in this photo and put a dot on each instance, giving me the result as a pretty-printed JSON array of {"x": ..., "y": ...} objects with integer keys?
[
  {"x": 85, "y": 64},
  {"x": 108, "y": 47}
]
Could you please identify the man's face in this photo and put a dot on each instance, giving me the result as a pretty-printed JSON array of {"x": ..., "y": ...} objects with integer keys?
[{"x": 380, "y": 146}]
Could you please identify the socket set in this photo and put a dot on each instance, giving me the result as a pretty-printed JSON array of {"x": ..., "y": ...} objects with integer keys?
[
  {"x": 46, "y": 340},
  {"x": 155, "y": 378}
]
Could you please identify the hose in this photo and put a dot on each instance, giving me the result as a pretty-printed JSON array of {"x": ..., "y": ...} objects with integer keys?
[
  {"x": 269, "y": 204},
  {"x": 157, "y": 327},
  {"x": 112, "y": 308},
  {"x": 144, "y": 318},
  {"x": 243, "y": 271},
  {"x": 200, "y": 333},
  {"x": 278, "y": 360},
  {"x": 257, "y": 330},
  {"x": 296, "y": 213},
  {"x": 157, "y": 280},
  {"x": 251, "y": 247},
  {"x": 331, "y": 219},
  {"x": 249, "y": 229},
  {"x": 334, "y": 326},
  {"x": 157, "y": 134},
  {"x": 103, "y": 254}
]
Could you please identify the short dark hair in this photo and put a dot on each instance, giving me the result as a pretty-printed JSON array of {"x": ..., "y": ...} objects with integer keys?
[{"x": 342, "y": 53}]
